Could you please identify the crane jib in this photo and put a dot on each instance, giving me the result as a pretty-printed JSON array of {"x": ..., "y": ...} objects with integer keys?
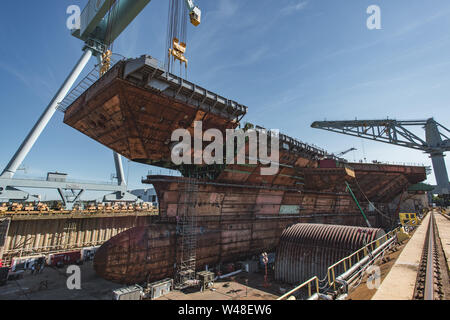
[{"x": 94, "y": 19}]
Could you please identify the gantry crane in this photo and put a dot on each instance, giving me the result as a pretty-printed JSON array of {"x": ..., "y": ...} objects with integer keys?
[
  {"x": 436, "y": 142},
  {"x": 101, "y": 22}
]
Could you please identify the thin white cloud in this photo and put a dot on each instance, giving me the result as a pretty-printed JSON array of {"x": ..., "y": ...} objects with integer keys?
[
  {"x": 228, "y": 8},
  {"x": 290, "y": 9},
  {"x": 255, "y": 56},
  {"x": 37, "y": 84}
]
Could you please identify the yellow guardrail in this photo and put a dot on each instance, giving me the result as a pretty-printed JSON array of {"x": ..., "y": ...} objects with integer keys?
[
  {"x": 347, "y": 262},
  {"x": 344, "y": 264},
  {"x": 444, "y": 213},
  {"x": 296, "y": 289}
]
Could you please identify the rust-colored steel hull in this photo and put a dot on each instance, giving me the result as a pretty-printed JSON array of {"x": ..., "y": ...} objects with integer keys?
[
  {"x": 137, "y": 120},
  {"x": 306, "y": 250},
  {"x": 149, "y": 253},
  {"x": 235, "y": 222},
  {"x": 135, "y": 108}
]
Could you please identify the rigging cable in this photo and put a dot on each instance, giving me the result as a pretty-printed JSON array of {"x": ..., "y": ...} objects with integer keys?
[
  {"x": 176, "y": 33},
  {"x": 370, "y": 202},
  {"x": 111, "y": 22}
]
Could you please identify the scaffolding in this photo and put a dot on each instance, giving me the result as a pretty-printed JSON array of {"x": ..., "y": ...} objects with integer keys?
[
  {"x": 187, "y": 235},
  {"x": 4, "y": 227}
]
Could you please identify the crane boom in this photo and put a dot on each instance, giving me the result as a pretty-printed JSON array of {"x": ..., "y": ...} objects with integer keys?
[
  {"x": 390, "y": 131},
  {"x": 101, "y": 22},
  {"x": 395, "y": 132},
  {"x": 95, "y": 19}
]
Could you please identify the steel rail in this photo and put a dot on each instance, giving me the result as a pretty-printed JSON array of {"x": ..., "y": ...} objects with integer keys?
[{"x": 429, "y": 276}]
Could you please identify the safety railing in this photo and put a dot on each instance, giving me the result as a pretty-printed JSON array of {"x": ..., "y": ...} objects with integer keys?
[
  {"x": 394, "y": 163},
  {"x": 346, "y": 263},
  {"x": 296, "y": 290},
  {"x": 74, "y": 181},
  {"x": 340, "y": 267},
  {"x": 92, "y": 77}
]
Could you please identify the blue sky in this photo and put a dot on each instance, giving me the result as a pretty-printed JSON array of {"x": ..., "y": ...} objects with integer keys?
[{"x": 291, "y": 62}]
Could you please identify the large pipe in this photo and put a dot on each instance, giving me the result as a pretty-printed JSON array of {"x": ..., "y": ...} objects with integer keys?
[
  {"x": 40, "y": 125},
  {"x": 349, "y": 275},
  {"x": 307, "y": 250}
]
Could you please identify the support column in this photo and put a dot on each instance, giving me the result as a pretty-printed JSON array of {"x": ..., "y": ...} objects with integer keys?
[
  {"x": 434, "y": 139},
  {"x": 34, "y": 134},
  {"x": 119, "y": 169}
]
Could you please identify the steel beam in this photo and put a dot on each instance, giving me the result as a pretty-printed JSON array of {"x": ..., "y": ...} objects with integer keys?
[
  {"x": 434, "y": 138},
  {"x": 34, "y": 134},
  {"x": 96, "y": 23},
  {"x": 119, "y": 169},
  {"x": 43, "y": 184}
]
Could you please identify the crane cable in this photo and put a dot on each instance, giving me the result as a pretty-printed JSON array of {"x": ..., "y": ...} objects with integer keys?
[
  {"x": 176, "y": 34},
  {"x": 111, "y": 21},
  {"x": 381, "y": 213}
]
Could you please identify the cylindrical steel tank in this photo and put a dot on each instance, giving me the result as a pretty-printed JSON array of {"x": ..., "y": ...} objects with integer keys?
[{"x": 307, "y": 250}]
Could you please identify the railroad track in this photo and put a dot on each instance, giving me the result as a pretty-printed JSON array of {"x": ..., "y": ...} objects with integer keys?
[{"x": 429, "y": 285}]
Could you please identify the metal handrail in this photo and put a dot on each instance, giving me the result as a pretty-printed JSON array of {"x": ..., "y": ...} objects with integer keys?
[
  {"x": 347, "y": 264},
  {"x": 358, "y": 255},
  {"x": 92, "y": 77},
  {"x": 296, "y": 289}
]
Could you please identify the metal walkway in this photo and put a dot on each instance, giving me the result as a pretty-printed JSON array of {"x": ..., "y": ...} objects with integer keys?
[{"x": 92, "y": 77}]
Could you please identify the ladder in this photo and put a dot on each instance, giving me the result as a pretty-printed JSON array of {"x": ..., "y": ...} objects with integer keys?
[{"x": 187, "y": 235}]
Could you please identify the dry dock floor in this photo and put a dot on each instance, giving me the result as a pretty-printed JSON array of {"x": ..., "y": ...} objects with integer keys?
[
  {"x": 243, "y": 286},
  {"x": 51, "y": 284}
]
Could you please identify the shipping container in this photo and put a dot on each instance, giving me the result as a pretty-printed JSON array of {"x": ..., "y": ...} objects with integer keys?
[
  {"x": 27, "y": 263},
  {"x": 66, "y": 258}
]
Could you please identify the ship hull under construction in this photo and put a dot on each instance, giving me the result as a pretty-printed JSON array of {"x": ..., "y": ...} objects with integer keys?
[
  {"x": 234, "y": 222},
  {"x": 134, "y": 110}
]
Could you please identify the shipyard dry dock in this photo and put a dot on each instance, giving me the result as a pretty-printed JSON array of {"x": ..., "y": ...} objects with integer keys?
[
  {"x": 400, "y": 277},
  {"x": 316, "y": 209}
]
